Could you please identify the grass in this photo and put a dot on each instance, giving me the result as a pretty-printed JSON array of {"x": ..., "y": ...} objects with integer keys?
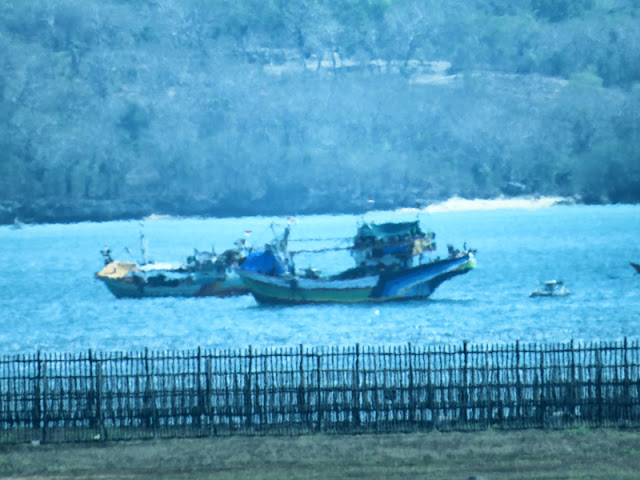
[{"x": 493, "y": 455}]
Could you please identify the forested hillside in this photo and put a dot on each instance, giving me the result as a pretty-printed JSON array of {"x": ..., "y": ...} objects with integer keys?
[{"x": 122, "y": 108}]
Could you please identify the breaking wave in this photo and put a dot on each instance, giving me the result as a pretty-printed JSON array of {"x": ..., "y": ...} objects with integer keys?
[{"x": 458, "y": 204}]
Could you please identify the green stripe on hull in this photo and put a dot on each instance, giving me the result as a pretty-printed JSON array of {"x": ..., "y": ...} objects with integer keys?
[
  {"x": 266, "y": 293},
  {"x": 469, "y": 265},
  {"x": 412, "y": 283}
]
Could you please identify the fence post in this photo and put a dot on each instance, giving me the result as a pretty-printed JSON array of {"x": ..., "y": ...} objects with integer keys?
[
  {"x": 635, "y": 385},
  {"x": 208, "y": 390},
  {"x": 519, "y": 395},
  {"x": 542, "y": 404},
  {"x": 151, "y": 413},
  {"x": 230, "y": 397},
  {"x": 248, "y": 400},
  {"x": 91, "y": 393},
  {"x": 303, "y": 407},
  {"x": 42, "y": 367},
  {"x": 599, "y": 392},
  {"x": 320, "y": 400},
  {"x": 266, "y": 412},
  {"x": 487, "y": 389},
  {"x": 99, "y": 417},
  {"x": 36, "y": 410},
  {"x": 431, "y": 394},
  {"x": 465, "y": 383},
  {"x": 355, "y": 400},
  {"x": 626, "y": 384},
  {"x": 412, "y": 403},
  {"x": 198, "y": 409}
]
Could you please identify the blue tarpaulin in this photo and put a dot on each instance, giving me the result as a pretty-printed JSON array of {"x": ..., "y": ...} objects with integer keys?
[{"x": 263, "y": 262}]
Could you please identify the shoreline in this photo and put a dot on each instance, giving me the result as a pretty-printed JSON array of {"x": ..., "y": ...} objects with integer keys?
[{"x": 452, "y": 204}]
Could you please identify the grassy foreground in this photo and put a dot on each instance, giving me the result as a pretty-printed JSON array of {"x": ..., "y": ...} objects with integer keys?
[{"x": 491, "y": 455}]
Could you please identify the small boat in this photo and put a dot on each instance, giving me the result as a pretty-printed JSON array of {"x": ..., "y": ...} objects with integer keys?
[
  {"x": 390, "y": 265},
  {"x": 636, "y": 266},
  {"x": 204, "y": 274},
  {"x": 551, "y": 288}
]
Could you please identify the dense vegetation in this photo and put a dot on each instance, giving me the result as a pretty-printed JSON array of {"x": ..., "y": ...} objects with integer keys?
[{"x": 115, "y": 108}]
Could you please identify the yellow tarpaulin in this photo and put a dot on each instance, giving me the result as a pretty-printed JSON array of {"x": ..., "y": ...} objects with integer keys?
[{"x": 117, "y": 269}]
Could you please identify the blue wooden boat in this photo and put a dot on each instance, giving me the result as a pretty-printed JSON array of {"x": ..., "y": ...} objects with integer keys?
[{"x": 390, "y": 265}]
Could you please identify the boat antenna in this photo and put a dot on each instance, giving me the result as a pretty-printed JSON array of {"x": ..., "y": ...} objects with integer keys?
[{"x": 143, "y": 249}]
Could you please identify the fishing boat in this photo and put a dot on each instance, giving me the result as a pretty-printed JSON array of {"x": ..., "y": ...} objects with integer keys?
[
  {"x": 392, "y": 263},
  {"x": 636, "y": 266},
  {"x": 551, "y": 288},
  {"x": 204, "y": 274}
]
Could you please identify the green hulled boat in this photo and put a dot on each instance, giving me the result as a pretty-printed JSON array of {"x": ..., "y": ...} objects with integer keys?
[{"x": 390, "y": 265}]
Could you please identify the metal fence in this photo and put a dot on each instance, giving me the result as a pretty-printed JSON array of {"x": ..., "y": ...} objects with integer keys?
[{"x": 101, "y": 396}]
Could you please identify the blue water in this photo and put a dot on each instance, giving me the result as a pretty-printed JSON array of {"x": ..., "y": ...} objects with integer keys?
[{"x": 50, "y": 301}]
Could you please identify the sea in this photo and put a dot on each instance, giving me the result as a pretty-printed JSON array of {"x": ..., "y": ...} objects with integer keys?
[{"x": 51, "y": 302}]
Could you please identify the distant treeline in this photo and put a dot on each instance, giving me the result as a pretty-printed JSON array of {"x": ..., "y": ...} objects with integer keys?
[{"x": 113, "y": 109}]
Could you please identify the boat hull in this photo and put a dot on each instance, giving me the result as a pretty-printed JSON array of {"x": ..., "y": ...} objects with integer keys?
[
  {"x": 227, "y": 288},
  {"x": 122, "y": 284},
  {"x": 416, "y": 282},
  {"x": 544, "y": 294}
]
